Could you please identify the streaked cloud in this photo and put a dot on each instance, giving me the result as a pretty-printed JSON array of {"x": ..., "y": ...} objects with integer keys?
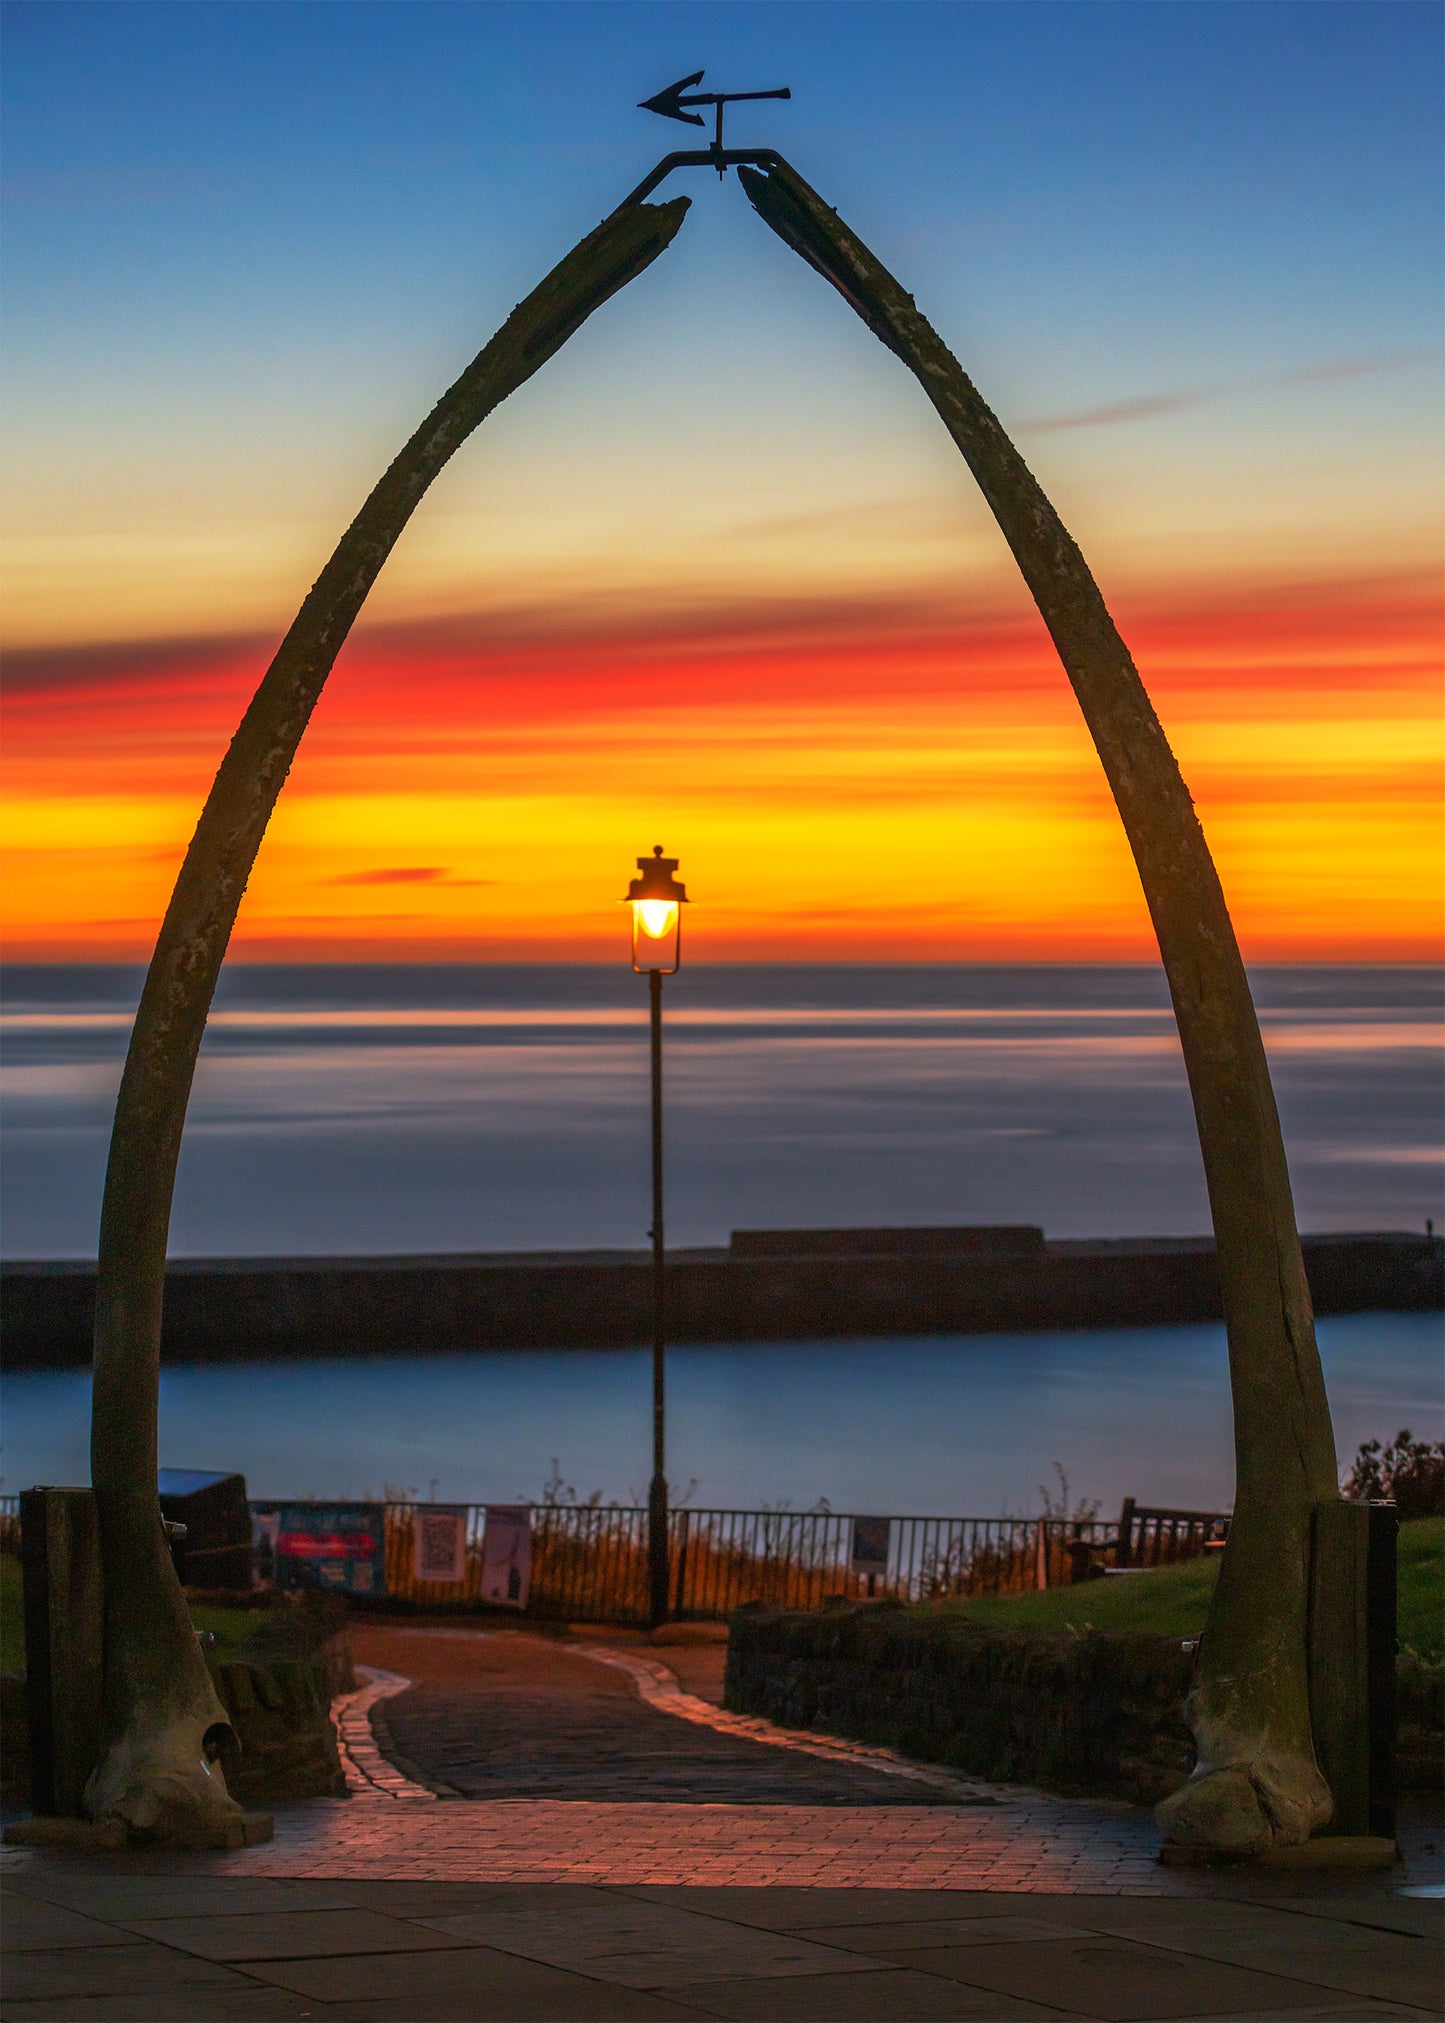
[
  {"x": 1146, "y": 407},
  {"x": 392, "y": 874}
]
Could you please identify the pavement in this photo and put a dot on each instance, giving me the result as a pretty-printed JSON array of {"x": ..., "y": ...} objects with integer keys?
[{"x": 626, "y": 1850}]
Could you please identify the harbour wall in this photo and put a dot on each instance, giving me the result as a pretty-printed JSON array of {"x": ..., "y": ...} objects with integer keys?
[{"x": 765, "y": 1286}]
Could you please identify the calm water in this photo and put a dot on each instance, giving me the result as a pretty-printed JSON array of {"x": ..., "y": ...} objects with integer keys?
[
  {"x": 366, "y": 1110},
  {"x": 370, "y": 1110},
  {"x": 948, "y": 1426}
]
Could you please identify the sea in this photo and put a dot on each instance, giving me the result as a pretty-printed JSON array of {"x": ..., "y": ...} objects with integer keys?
[{"x": 391, "y": 1109}]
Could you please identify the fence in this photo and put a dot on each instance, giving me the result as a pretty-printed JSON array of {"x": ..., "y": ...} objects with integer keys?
[
  {"x": 589, "y": 1563},
  {"x": 1152, "y": 1537},
  {"x": 593, "y": 1563}
]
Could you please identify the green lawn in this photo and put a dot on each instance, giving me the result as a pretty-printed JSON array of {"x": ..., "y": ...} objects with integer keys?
[
  {"x": 12, "y": 1619},
  {"x": 1174, "y": 1601},
  {"x": 1422, "y": 1587},
  {"x": 230, "y": 1627}
]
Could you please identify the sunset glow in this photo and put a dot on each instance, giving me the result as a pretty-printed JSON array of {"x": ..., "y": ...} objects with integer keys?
[{"x": 664, "y": 591}]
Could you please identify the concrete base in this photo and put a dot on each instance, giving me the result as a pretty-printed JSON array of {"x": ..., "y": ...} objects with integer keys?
[
  {"x": 52, "y": 1831},
  {"x": 1338, "y": 1851},
  {"x": 48, "y": 1830}
]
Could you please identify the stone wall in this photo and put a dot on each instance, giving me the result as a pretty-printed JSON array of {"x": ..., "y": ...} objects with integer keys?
[
  {"x": 1097, "y": 1714},
  {"x": 281, "y": 1712}
]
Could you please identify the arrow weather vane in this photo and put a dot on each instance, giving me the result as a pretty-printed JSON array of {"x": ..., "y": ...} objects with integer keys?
[{"x": 670, "y": 104}]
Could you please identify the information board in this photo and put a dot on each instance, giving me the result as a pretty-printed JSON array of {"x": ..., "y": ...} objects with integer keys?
[
  {"x": 507, "y": 1554},
  {"x": 870, "y": 1545},
  {"x": 439, "y": 1542},
  {"x": 339, "y": 1546}
]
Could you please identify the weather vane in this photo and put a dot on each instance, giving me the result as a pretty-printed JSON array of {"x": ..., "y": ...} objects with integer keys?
[{"x": 670, "y": 104}]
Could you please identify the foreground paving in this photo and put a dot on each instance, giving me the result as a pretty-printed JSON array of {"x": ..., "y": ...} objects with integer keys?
[
  {"x": 107, "y": 1941},
  {"x": 921, "y": 1901}
]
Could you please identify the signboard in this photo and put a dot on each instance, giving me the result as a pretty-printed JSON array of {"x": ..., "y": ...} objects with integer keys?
[
  {"x": 331, "y": 1545},
  {"x": 439, "y": 1542},
  {"x": 870, "y": 1545},
  {"x": 507, "y": 1554}
]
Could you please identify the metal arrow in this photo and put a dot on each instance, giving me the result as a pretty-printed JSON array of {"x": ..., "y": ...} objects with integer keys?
[{"x": 670, "y": 105}]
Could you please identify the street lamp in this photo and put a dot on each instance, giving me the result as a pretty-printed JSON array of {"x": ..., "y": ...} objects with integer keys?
[{"x": 657, "y": 900}]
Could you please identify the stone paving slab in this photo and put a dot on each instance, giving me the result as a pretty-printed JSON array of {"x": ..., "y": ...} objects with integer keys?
[
  {"x": 477, "y": 1981},
  {"x": 129, "y": 1967},
  {"x": 892, "y": 1995},
  {"x": 1119, "y": 1980},
  {"x": 290, "y": 1934},
  {"x": 646, "y": 1945},
  {"x": 570, "y": 1954},
  {"x": 246, "y": 2005},
  {"x": 990, "y": 1924},
  {"x": 30, "y": 1925}
]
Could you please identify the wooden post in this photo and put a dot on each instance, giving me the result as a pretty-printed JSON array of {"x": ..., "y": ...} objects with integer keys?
[
  {"x": 1338, "y": 1660},
  {"x": 60, "y": 1550},
  {"x": 1124, "y": 1550},
  {"x": 1352, "y": 1632},
  {"x": 683, "y": 1527},
  {"x": 1382, "y": 1632}
]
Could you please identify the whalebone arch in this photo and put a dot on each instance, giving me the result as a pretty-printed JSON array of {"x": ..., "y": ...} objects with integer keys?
[{"x": 1257, "y": 1780}]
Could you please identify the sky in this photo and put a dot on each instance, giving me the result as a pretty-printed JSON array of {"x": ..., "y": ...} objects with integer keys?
[{"x": 716, "y": 577}]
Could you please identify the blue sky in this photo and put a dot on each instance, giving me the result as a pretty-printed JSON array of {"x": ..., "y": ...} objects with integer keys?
[
  {"x": 1189, "y": 252},
  {"x": 1089, "y": 183}
]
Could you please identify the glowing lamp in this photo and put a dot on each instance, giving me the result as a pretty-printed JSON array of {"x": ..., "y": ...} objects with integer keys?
[{"x": 657, "y": 900}]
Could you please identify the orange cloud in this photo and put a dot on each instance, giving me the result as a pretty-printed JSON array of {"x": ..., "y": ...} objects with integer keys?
[{"x": 900, "y": 779}]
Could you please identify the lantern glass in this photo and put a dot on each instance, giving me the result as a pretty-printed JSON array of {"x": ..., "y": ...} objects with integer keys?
[
  {"x": 656, "y": 935},
  {"x": 656, "y": 918}
]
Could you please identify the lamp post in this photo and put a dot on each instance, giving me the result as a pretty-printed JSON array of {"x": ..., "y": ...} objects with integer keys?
[{"x": 657, "y": 900}]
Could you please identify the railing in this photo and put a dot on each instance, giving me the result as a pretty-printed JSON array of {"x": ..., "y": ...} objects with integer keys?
[
  {"x": 589, "y": 1563},
  {"x": 1153, "y": 1537}
]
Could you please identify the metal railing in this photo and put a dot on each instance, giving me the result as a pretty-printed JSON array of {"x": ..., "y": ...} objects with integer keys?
[{"x": 589, "y": 1562}]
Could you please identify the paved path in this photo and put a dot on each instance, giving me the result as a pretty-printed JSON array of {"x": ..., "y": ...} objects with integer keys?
[
  {"x": 515, "y": 1716},
  {"x": 399, "y": 1906}
]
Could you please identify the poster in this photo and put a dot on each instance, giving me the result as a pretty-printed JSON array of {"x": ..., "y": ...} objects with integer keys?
[
  {"x": 507, "y": 1554},
  {"x": 439, "y": 1542},
  {"x": 870, "y": 1545},
  {"x": 331, "y": 1545}
]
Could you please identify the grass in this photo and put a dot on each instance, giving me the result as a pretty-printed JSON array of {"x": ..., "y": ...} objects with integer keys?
[
  {"x": 1170, "y": 1602},
  {"x": 1422, "y": 1587},
  {"x": 12, "y": 1616},
  {"x": 1173, "y": 1601},
  {"x": 230, "y": 1627}
]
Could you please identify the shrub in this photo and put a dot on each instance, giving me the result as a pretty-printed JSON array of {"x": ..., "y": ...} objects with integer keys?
[{"x": 1409, "y": 1472}]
